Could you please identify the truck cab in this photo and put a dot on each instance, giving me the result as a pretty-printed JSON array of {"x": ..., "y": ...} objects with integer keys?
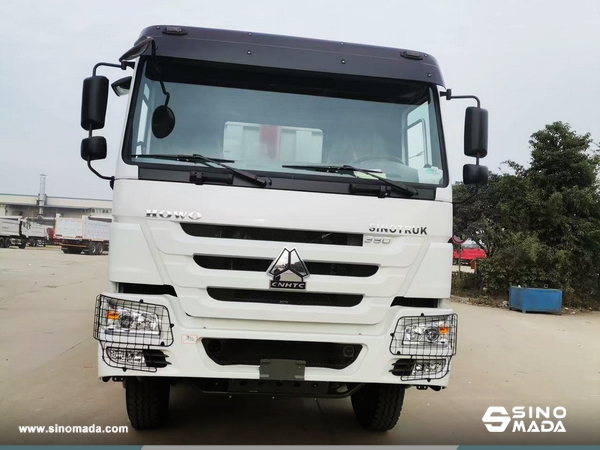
[{"x": 281, "y": 221}]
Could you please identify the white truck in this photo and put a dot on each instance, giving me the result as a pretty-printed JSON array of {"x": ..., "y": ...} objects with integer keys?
[
  {"x": 282, "y": 217},
  {"x": 12, "y": 232},
  {"x": 36, "y": 233},
  {"x": 88, "y": 235}
]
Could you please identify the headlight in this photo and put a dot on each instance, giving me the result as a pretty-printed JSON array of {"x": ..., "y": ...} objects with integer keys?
[
  {"x": 425, "y": 336},
  {"x": 126, "y": 320},
  {"x": 432, "y": 333},
  {"x": 132, "y": 323}
]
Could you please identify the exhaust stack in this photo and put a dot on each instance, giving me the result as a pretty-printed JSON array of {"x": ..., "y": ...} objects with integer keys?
[{"x": 41, "y": 200}]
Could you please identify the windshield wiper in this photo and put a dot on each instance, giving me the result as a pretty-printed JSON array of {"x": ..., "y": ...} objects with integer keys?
[
  {"x": 196, "y": 158},
  {"x": 349, "y": 169}
]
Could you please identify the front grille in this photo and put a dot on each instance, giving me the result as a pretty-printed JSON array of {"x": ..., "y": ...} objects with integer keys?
[
  {"x": 272, "y": 234},
  {"x": 261, "y": 265},
  {"x": 226, "y": 352},
  {"x": 284, "y": 297},
  {"x": 415, "y": 302},
  {"x": 147, "y": 289}
]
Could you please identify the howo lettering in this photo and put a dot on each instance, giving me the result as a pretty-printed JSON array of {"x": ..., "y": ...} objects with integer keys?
[{"x": 250, "y": 171}]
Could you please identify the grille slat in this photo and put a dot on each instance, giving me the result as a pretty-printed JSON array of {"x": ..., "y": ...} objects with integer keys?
[
  {"x": 272, "y": 234},
  {"x": 261, "y": 265},
  {"x": 227, "y": 352},
  {"x": 416, "y": 302},
  {"x": 284, "y": 297}
]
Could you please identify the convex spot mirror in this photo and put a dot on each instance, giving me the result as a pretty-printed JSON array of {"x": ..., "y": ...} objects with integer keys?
[
  {"x": 476, "y": 132},
  {"x": 121, "y": 86},
  {"x": 475, "y": 174},
  {"x": 94, "y": 102},
  {"x": 163, "y": 121},
  {"x": 93, "y": 148}
]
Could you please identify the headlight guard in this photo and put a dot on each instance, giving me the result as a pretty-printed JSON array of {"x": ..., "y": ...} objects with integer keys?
[
  {"x": 133, "y": 323},
  {"x": 127, "y": 329},
  {"x": 425, "y": 335}
]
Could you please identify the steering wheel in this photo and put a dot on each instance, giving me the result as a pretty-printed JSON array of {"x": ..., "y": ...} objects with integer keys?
[{"x": 375, "y": 157}]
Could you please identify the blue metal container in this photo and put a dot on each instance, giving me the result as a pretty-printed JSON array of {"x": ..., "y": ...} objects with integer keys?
[{"x": 535, "y": 300}]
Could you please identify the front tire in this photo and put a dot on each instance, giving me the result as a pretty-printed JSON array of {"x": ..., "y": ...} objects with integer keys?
[
  {"x": 377, "y": 407},
  {"x": 147, "y": 402}
]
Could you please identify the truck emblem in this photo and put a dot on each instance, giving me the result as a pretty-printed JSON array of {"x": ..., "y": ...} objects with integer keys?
[
  {"x": 288, "y": 271},
  {"x": 181, "y": 215}
]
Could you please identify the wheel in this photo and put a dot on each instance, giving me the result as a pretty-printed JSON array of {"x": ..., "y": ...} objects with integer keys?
[
  {"x": 1, "y": 242},
  {"x": 378, "y": 406},
  {"x": 65, "y": 250},
  {"x": 91, "y": 248},
  {"x": 22, "y": 245},
  {"x": 147, "y": 402},
  {"x": 6, "y": 242},
  {"x": 99, "y": 248}
]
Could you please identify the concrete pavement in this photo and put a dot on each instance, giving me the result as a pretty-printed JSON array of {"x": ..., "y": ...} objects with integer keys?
[{"x": 48, "y": 375}]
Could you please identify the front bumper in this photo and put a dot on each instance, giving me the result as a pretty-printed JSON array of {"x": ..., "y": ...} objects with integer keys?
[{"x": 184, "y": 350}]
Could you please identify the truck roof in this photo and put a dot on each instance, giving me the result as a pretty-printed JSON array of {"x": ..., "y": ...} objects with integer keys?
[{"x": 294, "y": 53}]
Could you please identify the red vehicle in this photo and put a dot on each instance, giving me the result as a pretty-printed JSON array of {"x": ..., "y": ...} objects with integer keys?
[
  {"x": 51, "y": 239},
  {"x": 469, "y": 252}
]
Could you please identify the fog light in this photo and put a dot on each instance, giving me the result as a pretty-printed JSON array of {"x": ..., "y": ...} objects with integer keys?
[
  {"x": 429, "y": 367},
  {"x": 125, "y": 357}
]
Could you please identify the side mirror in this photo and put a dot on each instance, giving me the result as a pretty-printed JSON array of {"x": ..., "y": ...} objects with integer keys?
[
  {"x": 93, "y": 103},
  {"x": 475, "y": 174},
  {"x": 93, "y": 148},
  {"x": 476, "y": 132}
]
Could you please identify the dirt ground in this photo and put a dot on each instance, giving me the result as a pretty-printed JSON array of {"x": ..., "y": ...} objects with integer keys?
[{"x": 48, "y": 367}]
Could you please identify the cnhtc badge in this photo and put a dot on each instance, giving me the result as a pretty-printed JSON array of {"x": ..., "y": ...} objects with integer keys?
[{"x": 288, "y": 271}]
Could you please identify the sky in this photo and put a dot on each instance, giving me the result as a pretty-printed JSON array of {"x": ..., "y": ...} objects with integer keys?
[{"x": 530, "y": 62}]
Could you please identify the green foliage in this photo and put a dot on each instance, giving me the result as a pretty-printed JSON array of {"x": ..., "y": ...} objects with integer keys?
[{"x": 540, "y": 226}]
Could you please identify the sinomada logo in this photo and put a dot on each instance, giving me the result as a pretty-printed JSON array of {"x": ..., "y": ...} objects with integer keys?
[{"x": 528, "y": 420}]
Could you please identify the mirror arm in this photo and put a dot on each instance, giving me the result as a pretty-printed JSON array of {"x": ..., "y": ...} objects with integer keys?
[
  {"x": 160, "y": 80},
  {"x": 449, "y": 96},
  {"x": 123, "y": 66},
  {"x": 99, "y": 175},
  {"x": 95, "y": 172},
  {"x": 465, "y": 200},
  {"x": 468, "y": 198}
]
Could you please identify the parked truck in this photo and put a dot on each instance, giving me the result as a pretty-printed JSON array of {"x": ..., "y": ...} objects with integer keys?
[
  {"x": 86, "y": 235},
  {"x": 36, "y": 234},
  {"x": 12, "y": 232},
  {"x": 282, "y": 211}
]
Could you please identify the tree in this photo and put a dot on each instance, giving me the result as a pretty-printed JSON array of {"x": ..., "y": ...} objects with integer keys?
[{"x": 540, "y": 226}]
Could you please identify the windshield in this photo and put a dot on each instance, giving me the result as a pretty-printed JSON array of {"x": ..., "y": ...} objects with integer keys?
[{"x": 264, "y": 121}]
